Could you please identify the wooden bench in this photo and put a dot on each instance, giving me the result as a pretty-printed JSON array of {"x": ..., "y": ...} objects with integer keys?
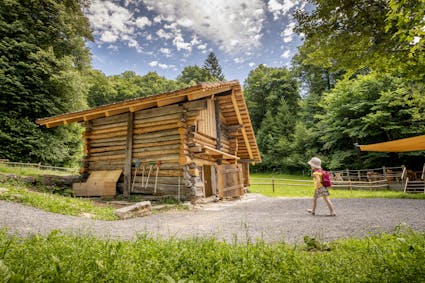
[{"x": 99, "y": 183}]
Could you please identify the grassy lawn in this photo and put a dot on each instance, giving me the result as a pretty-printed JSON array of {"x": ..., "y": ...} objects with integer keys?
[
  {"x": 305, "y": 189},
  {"x": 20, "y": 193},
  {"x": 397, "y": 257},
  {"x": 29, "y": 171}
]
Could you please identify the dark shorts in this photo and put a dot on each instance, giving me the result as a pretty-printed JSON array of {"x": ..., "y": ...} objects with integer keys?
[{"x": 321, "y": 192}]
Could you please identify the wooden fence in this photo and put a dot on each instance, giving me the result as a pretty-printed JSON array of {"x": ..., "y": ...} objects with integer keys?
[
  {"x": 39, "y": 166},
  {"x": 277, "y": 183}
]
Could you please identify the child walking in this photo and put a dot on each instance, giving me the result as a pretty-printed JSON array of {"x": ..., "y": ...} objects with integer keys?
[{"x": 319, "y": 190}]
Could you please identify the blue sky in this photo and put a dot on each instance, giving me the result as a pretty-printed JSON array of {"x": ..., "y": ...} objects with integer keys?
[{"x": 167, "y": 35}]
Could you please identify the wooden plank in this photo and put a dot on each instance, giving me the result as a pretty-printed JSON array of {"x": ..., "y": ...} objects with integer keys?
[
  {"x": 108, "y": 130},
  {"x": 158, "y": 148},
  {"x": 195, "y": 105},
  {"x": 111, "y": 157},
  {"x": 108, "y": 126},
  {"x": 142, "y": 106},
  {"x": 156, "y": 123},
  {"x": 217, "y": 124},
  {"x": 109, "y": 120},
  {"x": 95, "y": 144},
  {"x": 245, "y": 137},
  {"x": 168, "y": 116},
  {"x": 107, "y": 135},
  {"x": 156, "y": 128},
  {"x": 157, "y": 142},
  {"x": 128, "y": 154},
  {"x": 170, "y": 101},
  {"x": 162, "y": 133},
  {"x": 155, "y": 112}
]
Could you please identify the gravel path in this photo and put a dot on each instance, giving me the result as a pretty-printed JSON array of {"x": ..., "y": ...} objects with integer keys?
[{"x": 253, "y": 217}]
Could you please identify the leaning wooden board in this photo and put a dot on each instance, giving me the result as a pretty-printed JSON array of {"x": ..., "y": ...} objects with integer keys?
[{"x": 99, "y": 183}]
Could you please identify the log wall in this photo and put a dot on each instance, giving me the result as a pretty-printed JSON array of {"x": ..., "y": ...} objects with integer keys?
[{"x": 167, "y": 142}]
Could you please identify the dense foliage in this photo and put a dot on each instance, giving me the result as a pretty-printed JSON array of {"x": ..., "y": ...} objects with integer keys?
[
  {"x": 272, "y": 99},
  {"x": 358, "y": 78},
  {"x": 128, "y": 85},
  {"x": 43, "y": 58},
  {"x": 397, "y": 257}
]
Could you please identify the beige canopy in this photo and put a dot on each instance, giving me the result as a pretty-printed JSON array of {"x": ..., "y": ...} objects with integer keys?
[{"x": 402, "y": 145}]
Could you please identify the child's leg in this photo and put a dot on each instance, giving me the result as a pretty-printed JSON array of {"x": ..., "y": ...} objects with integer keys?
[
  {"x": 313, "y": 209},
  {"x": 330, "y": 205}
]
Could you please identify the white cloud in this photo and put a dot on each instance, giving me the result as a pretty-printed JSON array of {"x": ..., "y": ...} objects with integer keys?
[
  {"x": 112, "y": 23},
  {"x": 141, "y": 22},
  {"x": 286, "y": 54},
  {"x": 185, "y": 22},
  {"x": 282, "y": 7},
  {"x": 238, "y": 60},
  {"x": 163, "y": 34},
  {"x": 233, "y": 25},
  {"x": 202, "y": 46},
  {"x": 180, "y": 44},
  {"x": 165, "y": 51},
  {"x": 160, "y": 65},
  {"x": 288, "y": 33},
  {"x": 251, "y": 64},
  {"x": 109, "y": 36}
]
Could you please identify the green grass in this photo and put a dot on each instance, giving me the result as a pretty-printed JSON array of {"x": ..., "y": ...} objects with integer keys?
[
  {"x": 306, "y": 190},
  {"x": 397, "y": 257},
  {"x": 29, "y": 171},
  {"x": 17, "y": 192}
]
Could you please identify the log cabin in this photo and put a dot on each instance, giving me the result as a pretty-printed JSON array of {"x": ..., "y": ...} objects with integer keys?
[{"x": 189, "y": 144}]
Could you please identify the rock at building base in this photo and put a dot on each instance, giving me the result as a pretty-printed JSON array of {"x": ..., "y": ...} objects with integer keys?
[{"x": 143, "y": 208}]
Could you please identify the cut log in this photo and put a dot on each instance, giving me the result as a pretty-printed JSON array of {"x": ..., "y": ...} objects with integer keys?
[
  {"x": 196, "y": 105},
  {"x": 155, "y": 112},
  {"x": 143, "y": 208},
  {"x": 110, "y": 120},
  {"x": 139, "y": 131},
  {"x": 168, "y": 116}
]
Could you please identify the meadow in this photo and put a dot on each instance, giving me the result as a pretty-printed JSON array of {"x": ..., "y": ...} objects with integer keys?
[
  {"x": 302, "y": 186},
  {"x": 397, "y": 257},
  {"x": 58, "y": 257}
]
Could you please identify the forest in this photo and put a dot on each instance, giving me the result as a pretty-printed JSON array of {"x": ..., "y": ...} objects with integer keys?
[{"x": 358, "y": 77}]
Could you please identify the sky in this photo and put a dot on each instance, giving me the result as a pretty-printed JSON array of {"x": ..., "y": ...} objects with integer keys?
[{"x": 164, "y": 36}]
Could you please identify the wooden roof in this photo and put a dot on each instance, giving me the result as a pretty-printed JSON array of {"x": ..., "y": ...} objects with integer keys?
[{"x": 236, "y": 102}]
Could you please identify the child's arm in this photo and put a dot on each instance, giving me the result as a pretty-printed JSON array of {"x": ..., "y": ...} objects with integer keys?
[{"x": 317, "y": 180}]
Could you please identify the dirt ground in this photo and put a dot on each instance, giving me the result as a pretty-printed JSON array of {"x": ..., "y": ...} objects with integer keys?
[{"x": 249, "y": 219}]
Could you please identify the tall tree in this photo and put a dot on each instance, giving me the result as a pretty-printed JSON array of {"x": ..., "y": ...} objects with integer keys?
[
  {"x": 372, "y": 108},
  {"x": 213, "y": 67},
  {"x": 43, "y": 55},
  {"x": 355, "y": 35},
  {"x": 192, "y": 75},
  {"x": 272, "y": 99}
]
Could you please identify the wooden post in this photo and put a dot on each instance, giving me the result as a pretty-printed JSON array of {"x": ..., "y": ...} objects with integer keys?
[
  {"x": 273, "y": 183},
  {"x": 128, "y": 154},
  {"x": 217, "y": 123}
]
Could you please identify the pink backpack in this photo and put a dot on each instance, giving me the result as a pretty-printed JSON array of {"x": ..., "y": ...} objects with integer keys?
[{"x": 326, "y": 179}]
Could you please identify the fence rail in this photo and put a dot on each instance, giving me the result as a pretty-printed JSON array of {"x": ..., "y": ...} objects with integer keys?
[
  {"x": 39, "y": 166},
  {"x": 276, "y": 183}
]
